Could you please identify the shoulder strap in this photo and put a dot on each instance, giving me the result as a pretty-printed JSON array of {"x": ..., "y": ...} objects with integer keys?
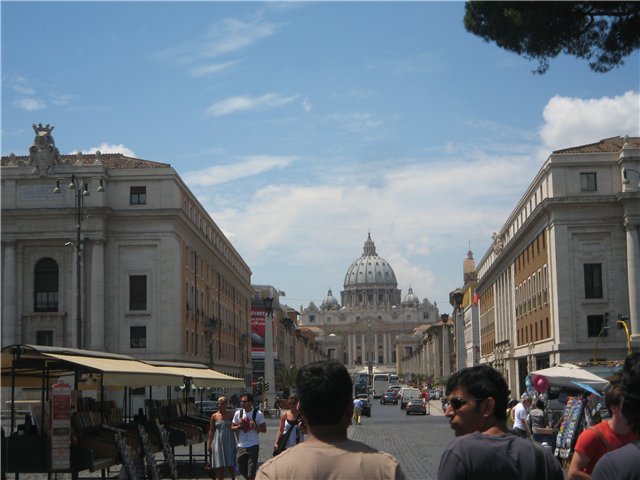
[
  {"x": 255, "y": 412},
  {"x": 604, "y": 440},
  {"x": 540, "y": 463}
]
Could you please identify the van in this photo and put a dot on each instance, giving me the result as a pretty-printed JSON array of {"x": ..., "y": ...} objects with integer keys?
[{"x": 407, "y": 394}]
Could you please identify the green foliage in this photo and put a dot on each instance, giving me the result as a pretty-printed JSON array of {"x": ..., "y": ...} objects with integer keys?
[
  {"x": 604, "y": 33},
  {"x": 286, "y": 377}
]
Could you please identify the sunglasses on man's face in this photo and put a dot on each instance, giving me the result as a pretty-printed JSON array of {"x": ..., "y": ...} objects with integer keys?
[{"x": 458, "y": 402}]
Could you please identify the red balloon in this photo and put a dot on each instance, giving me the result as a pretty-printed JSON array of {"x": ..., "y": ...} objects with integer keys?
[{"x": 540, "y": 383}]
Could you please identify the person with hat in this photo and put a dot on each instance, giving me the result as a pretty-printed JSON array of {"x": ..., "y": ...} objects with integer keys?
[{"x": 520, "y": 424}]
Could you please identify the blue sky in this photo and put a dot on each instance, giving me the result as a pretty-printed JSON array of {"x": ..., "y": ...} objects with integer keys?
[{"x": 301, "y": 127}]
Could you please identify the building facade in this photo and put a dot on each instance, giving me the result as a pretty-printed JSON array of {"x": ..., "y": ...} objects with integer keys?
[
  {"x": 366, "y": 329},
  {"x": 126, "y": 261},
  {"x": 561, "y": 281}
]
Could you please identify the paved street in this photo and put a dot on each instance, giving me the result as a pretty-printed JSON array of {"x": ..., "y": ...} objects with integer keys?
[{"x": 417, "y": 441}]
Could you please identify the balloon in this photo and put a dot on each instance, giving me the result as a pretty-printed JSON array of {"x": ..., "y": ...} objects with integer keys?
[{"x": 540, "y": 383}]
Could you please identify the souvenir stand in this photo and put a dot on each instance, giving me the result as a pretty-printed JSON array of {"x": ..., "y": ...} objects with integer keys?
[
  {"x": 576, "y": 415},
  {"x": 66, "y": 432}
]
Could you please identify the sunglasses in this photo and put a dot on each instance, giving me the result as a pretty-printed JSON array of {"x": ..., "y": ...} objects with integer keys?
[{"x": 458, "y": 402}]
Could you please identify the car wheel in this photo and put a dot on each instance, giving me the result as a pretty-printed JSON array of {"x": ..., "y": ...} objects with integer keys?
[{"x": 407, "y": 413}]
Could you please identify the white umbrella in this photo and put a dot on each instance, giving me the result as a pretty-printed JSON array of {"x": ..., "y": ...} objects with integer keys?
[{"x": 569, "y": 375}]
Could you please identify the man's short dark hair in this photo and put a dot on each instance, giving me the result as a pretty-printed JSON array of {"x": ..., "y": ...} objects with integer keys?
[
  {"x": 248, "y": 395},
  {"x": 483, "y": 381},
  {"x": 324, "y": 389},
  {"x": 613, "y": 397},
  {"x": 631, "y": 391}
]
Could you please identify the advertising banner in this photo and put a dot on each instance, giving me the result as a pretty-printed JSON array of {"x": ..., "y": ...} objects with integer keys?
[
  {"x": 258, "y": 317},
  {"x": 60, "y": 426}
]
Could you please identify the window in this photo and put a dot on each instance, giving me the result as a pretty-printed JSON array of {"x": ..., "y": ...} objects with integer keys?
[
  {"x": 594, "y": 326},
  {"x": 592, "y": 280},
  {"x": 46, "y": 286},
  {"x": 312, "y": 318},
  {"x": 138, "y": 292},
  {"x": 138, "y": 337},
  {"x": 44, "y": 337},
  {"x": 588, "y": 182},
  {"x": 138, "y": 196}
]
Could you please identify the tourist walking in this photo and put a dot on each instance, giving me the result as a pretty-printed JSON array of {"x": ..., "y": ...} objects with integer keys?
[
  {"x": 248, "y": 422},
  {"x": 325, "y": 391},
  {"x": 222, "y": 441},
  {"x": 483, "y": 447},
  {"x": 290, "y": 430}
]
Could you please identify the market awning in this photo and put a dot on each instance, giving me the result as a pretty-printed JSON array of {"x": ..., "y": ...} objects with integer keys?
[
  {"x": 200, "y": 375},
  {"x": 31, "y": 361},
  {"x": 569, "y": 375}
]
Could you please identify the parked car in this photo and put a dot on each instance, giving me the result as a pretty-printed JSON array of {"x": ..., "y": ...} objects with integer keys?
[
  {"x": 366, "y": 404},
  {"x": 207, "y": 407},
  {"x": 417, "y": 405},
  {"x": 389, "y": 397}
]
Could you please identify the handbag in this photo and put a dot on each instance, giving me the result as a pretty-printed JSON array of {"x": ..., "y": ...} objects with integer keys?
[{"x": 283, "y": 440}]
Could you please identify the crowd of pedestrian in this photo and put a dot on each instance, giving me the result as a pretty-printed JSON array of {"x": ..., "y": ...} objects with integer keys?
[{"x": 494, "y": 437}]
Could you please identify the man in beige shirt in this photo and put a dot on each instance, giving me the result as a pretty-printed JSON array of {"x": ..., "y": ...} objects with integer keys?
[{"x": 325, "y": 403}]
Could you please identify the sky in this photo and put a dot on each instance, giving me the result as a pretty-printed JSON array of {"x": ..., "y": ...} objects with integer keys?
[{"x": 303, "y": 127}]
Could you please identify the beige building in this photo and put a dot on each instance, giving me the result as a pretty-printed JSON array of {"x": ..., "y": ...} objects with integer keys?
[
  {"x": 158, "y": 279},
  {"x": 561, "y": 281},
  {"x": 367, "y": 328}
]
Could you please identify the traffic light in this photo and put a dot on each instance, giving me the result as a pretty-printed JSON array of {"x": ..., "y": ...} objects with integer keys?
[
  {"x": 605, "y": 325},
  {"x": 266, "y": 386}
]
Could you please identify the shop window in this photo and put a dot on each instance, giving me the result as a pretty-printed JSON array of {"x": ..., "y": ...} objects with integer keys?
[
  {"x": 138, "y": 196},
  {"x": 137, "y": 292},
  {"x": 592, "y": 280},
  {"x": 138, "y": 337},
  {"x": 46, "y": 286}
]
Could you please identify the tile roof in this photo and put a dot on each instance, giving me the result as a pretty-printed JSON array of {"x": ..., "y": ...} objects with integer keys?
[
  {"x": 109, "y": 160},
  {"x": 608, "y": 145}
]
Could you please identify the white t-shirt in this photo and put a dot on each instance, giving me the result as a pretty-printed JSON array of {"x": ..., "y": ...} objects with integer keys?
[
  {"x": 250, "y": 438},
  {"x": 520, "y": 416}
]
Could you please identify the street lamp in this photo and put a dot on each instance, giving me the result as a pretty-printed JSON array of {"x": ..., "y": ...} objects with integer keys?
[
  {"x": 455, "y": 298},
  {"x": 269, "y": 374},
  {"x": 80, "y": 187}
]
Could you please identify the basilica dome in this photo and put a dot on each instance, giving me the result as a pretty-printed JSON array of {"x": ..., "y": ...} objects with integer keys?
[
  {"x": 370, "y": 269},
  {"x": 370, "y": 280}
]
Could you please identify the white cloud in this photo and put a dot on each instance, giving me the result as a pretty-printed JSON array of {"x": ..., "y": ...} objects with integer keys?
[
  {"x": 244, "y": 103},
  {"x": 211, "y": 69},
  {"x": 570, "y": 122},
  {"x": 249, "y": 166},
  {"x": 222, "y": 38},
  {"x": 420, "y": 216},
  {"x": 306, "y": 105},
  {"x": 29, "y": 104},
  {"x": 110, "y": 148}
]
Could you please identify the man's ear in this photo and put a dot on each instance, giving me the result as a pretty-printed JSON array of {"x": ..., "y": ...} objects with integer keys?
[{"x": 488, "y": 407}]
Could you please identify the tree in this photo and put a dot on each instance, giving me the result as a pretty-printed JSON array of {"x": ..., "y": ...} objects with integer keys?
[
  {"x": 603, "y": 33},
  {"x": 286, "y": 377}
]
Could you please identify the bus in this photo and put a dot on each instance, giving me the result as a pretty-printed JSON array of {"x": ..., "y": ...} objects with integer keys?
[{"x": 381, "y": 382}]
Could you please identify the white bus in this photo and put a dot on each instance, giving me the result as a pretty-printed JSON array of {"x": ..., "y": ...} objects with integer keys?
[{"x": 381, "y": 382}]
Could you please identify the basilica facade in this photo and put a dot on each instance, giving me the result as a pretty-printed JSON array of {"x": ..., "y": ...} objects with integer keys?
[{"x": 372, "y": 326}]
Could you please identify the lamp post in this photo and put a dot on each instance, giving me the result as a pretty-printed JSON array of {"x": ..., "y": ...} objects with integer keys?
[
  {"x": 455, "y": 298},
  {"x": 269, "y": 374},
  {"x": 80, "y": 187}
]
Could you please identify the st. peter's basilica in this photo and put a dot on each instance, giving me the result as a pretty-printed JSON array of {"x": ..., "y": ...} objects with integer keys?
[{"x": 373, "y": 325}]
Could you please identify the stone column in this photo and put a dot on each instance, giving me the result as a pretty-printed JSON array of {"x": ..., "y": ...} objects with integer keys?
[
  {"x": 385, "y": 347},
  {"x": 633, "y": 278},
  {"x": 375, "y": 348},
  {"x": 96, "y": 319},
  {"x": 9, "y": 294}
]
